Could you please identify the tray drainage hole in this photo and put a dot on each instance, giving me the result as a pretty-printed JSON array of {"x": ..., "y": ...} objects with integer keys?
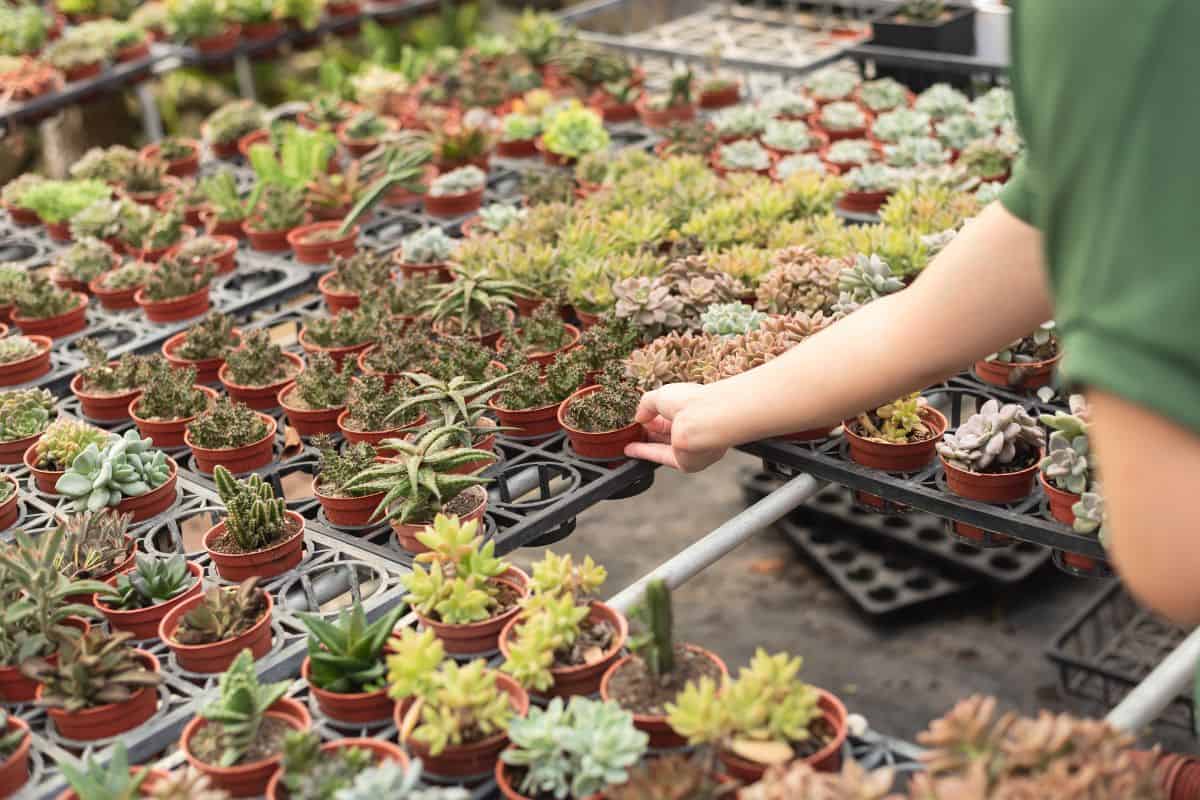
[
  {"x": 930, "y": 535},
  {"x": 896, "y": 523},
  {"x": 964, "y": 549},
  {"x": 1027, "y": 547},
  {"x": 1004, "y": 561},
  {"x": 862, "y": 574},
  {"x": 842, "y": 556},
  {"x": 882, "y": 594},
  {"x": 921, "y": 583},
  {"x": 830, "y": 498},
  {"x": 897, "y": 564},
  {"x": 16, "y": 250},
  {"x": 822, "y": 537}
]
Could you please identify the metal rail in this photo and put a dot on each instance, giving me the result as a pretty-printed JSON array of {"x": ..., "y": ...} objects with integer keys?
[{"x": 1171, "y": 677}]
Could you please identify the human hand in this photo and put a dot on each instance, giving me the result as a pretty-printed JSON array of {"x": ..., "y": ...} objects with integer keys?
[{"x": 664, "y": 413}]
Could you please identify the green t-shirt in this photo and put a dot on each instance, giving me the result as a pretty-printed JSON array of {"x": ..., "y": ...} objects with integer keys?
[{"x": 1106, "y": 101}]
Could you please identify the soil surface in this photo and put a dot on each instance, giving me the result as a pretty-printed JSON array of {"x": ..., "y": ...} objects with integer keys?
[
  {"x": 592, "y": 638},
  {"x": 463, "y": 504},
  {"x": 296, "y": 400},
  {"x": 921, "y": 436},
  {"x": 206, "y": 744},
  {"x": 1025, "y": 459},
  {"x": 225, "y": 543},
  {"x": 636, "y": 689},
  {"x": 97, "y": 392}
]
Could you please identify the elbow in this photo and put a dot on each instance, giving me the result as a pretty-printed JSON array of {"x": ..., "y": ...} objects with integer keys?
[{"x": 1158, "y": 573}]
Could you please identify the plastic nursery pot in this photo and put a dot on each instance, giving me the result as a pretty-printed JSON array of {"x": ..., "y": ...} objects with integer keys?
[
  {"x": 207, "y": 369},
  {"x": 321, "y": 250},
  {"x": 1004, "y": 487},
  {"x": 582, "y": 679},
  {"x": 57, "y": 326},
  {"x": 475, "y": 638},
  {"x": 383, "y": 751},
  {"x": 153, "y": 502},
  {"x": 103, "y": 407},
  {"x": 534, "y": 424},
  {"x": 908, "y": 457},
  {"x": 180, "y": 167},
  {"x": 224, "y": 42},
  {"x": 167, "y": 432},
  {"x": 26, "y": 369},
  {"x": 603, "y": 445},
  {"x": 244, "y": 780},
  {"x": 348, "y": 512},
  {"x": 727, "y": 95},
  {"x": 1031, "y": 375},
  {"x": 306, "y": 421},
  {"x": 21, "y": 216},
  {"x": 111, "y": 719},
  {"x": 517, "y": 148},
  {"x": 373, "y": 438},
  {"x": 14, "y": 770},
  {"x": 827, "y": 759},
  {"x": 265, "y": 563},
  {"x": 224, "y": 262},
  {"x": 406, "y": 532},
  {"x": 260, "y": 398},
  {"x": 15, "y": 687},
  {"x": 335, "y": 300},
  {"x": 1060, "y": 501},
  {"x": 338, "y": 354},
  {"x": 354, "y": 708},
  {"x": 509, "y": 792},
  {"x": 266, "y": 241},
  {"x": 153, "y": 776},
  {"x": 664, "y": 117},
  {"x": 662, "y": 736},
  {"x": 11, "y": 452},
  {"x": 453, "y": 205},
  {"x": 113, "y": 299},
  {"x": 476, "y": 760},
  {"x": 238, "y": 460},
  {"x": 9, "y": 510},
  {"x": 70, "y": 284},
  {"x": 215, "y": 226},
  {"x": 176, "y": 308},
  {"x": 143, "y": 622},
  {"x": 863, "y": 202},
  {"x": 435, "y": 272},
  {"x": 206, "y": 659},
  {"x": 546, "y": 359},
  {"x": 43, "y": 479}
]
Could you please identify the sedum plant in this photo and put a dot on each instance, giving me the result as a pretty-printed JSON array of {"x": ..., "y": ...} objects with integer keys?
[
  {"x": 170, "y": 393},
  {"x": 64, "y": 439},
  {"x": 151, "y": 582},
  {"x": 237, "y": 716},
  {"x": 452, "y": 582},
  {"x": 259, "y": 361},
  {"x": 868, "y": 279},
  {"x": 742, "y": 122},
  {"x": 320, "y": 384},
  {"x": 18, "y": 348},
  {"x": 941, "y": 101},
  {"x": 227, "y": 424},
  {"x": 85, "y": 260},
  {"x": 126, "y": 466},
  {"x": 211, "y": 337},
  {"x": 897, "y": 422},
  {"x": 574, "y": 132},
  {"x": 873, "y": 178},
  {"x": 730, "y": 319},
  {"x": 225, "y": 613},
  {"x": 346, "y": 655},
  {"x": 842, "y": 116},
  {"x": 24, "y": 413},
  {"x": 883, "y": 94},
  {"x": 744, "y": 154},
  {"x": 903, "y": 123},
  {"x": 792, "y": 137},
  {"x": 574, "y": 750},
  {"x": 96, "y": 669},
  {"x": 1089, "y": 512},
  {"x": 255, "y": 517},
  {"x": 463, "y": 180},
  {"x": 783, "y": 102},
  {"x": 1069, "y": 463},
  {"x": 995, "y": 439}
]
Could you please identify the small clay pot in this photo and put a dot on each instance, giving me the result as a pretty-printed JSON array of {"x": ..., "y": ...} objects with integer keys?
[
  {"x": 373, "y": 438},
  {"x": 908, "y": 457},
  {"x": 14, "y": 770},
  {"x": 82, "y": 72},
  {"x": 602, "y": 446},
  {"x": 335, "y": 300},
  {"x": 324, "y": 251},
  {"x": 863, "y": 202},
  {"x": 439, "y": 273},
  {"x": 219, "y": 44},
  {"x": 517, "y": 148},
  {"x": 266, "y": 241},
  {"x": 59, "y": 231},
  {"x": 103, "y": 407},
  {"x": 309, "y": 422},
  {"x": 57, "y": 326},
  {"x": 383, "y": 751},
  {"x": 11, "y": 452},
  {"x": 509, "y": 792},
  {"x": 43, "y": 479},
  {"x": 260, "y": 398},
  {"x": 355, "y": 708},
  {"x": 180, "y": 167},
  {"x": 265, "y": 563},
  {"x": 27, "y": 369},
  {"x": 338, "y": 354},
  {"x": 21, "y": 216},
  {"x": 406, "y": 532},
  {"x": 546, "y": 359},
  {"x": 15, "y": 687},
  {"x": 453, "y": 205},
  {"x": 1004, "y": 487},
  {"x": 110, "y": 719},
  {"x": 534, "y": 424},
  {"x": 238, "y": 460},
  {"x": 143, "y": 622},
  {"x": 10, "y": 512},
  {"x": 113, "y": 299},
  {"x": 222, "y": 227},
  {"x": 827, "y": 759},
  {"x": 583, "y": 679},
  {"x": 475, "y": 638},
  {"x": 175, "y": 309},
  {"x": 550, "y": 157},
  {"x": 153, "y": 502},
  {"x": 666, "y": 117},
  {"x": 207, "y": 369},
  {"x": 1060, "y": 501},
  {"x": 255, "y": 32},
  {"x": 726, "y": 96},
  {"x": 1018, "y": 377},
  {"x": 244, "y": 780},
  {"x": 224, "y": 262},
  {"x": 167, "y": 433},
  {"x": 207, "y": 659}
]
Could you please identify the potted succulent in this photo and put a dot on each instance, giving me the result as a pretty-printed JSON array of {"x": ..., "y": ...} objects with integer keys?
[
  {"x": 842, "y": 120},
  {"x": 57, "y": 202},
  {"x": 959, "y": 131},
  {"x": 798, "y": 164},
  {"x": 742, "y": 122},
  {"x": 177, "y": 289},
  {"x": 62, "y": 440},
  {"x": 170, "y": 401},
  {"x": 23, "y": 358},
  {"x": 116, "y": 288},
  {"x": 743, "y": 155},
  {"x": 126, "y": 473},
  {"x": 12, "y": 197},
  {"x": 149, "y": 235},
  {"x": 425, "y": 253},
  {"x": 320, "y": 242},
  {"x": 96, "y": 546},
  {"x": 280, "y": 211},
  {"x": 571, "y": 134},
  {"x": 259, "y": 537},
  {"x": 576, "y": 750},
  {"x": 343, "y": 335},
  {"x": 345, "y": 667},
  {"x": 106, "y": 388},
  {"x": 237, "y": 740},
  {"x": 719, "y": 91},
  {"x": 361, "y": 133},
  {"x": 376, "y": 412},
  {"x": 599, "y": 420},
  {"x": 832, "y": 85},
  {"x": 465, "y": 595},
  {"x": 766, "y": 716},
  {"x": 424, "y": 482},
  {"x": 10, "y": 512},
  {"x": 677, "y": 105},
  {"x": 883, "y": 94},
  {"x": 1027, "y": 363},
  {"x": 24, "y": 415},
  {"x": 201, "y": 24},
  {"x": 528, "y": 402},
  {"x": 349, "y": 768},
  {"x": 117, "y": 778},
  {"x": 256, "y": 371},
  {"x": 314, "y": 401},
  {"x": 456, "y": 193},
  {"x": 459, "y": 402},
  {"x": 900, "y": 436},
  {"x": 657, "y": 669},
  {"x": 518, "y": 135},
  {"x": 46, "y": 310},
  {"x": 107, "y": 164},
  {"x": 399, "y": 351},
  {"x": 102, "y": 220},
  {"x": 474, "y": 305},
  {"x": 787, "y": 104},
  {"x": 988, "y": 160},
  {"x": 233, "y": 435},
  {"x": 26, "y": 78},
  {"x": 203, "y": 346},
  {"x": 217, "y": 250},
  {"x": 229, "y": 123},
  {"x": 916, "y": 152},
  {"x": 81, "y": 263},
  {"x": 1067, "y": 474},
  {"x": 942, "y": 101},
  {"x": 365, "y": 271},
  {"x": 225, "y": 210},
  {"x": 453, "y": 717},
  {"x": 542, "y": 337},
  {"x": 325, "y": 112},
  {"x": 138, "y": 599},
  {"x": 207, "y": 633},
  {"x": 561, "y": 643},
  {"x": 785, "y": 137},
  {"x": 847, "y": 154},
  {"x": 181, "y": 155},
  {"x": 463, "y": 141},
  {"x": 868, "y": 188},
  {"x": 145, "y": 181},
  {"x": 902, "y": 123},
  {"x": 14, "y": 753},
  {"x": 493, "y": 219},
  {"x": 344, "y": 507},
  {"x": 75, "y": 57},
  {"x": 98, "y": 688},
  {"x": 259, "y": 19},
  {"x": 331, "y": 197}
]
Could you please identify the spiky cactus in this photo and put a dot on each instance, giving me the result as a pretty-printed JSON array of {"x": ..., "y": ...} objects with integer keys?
[{"x": 256, "y": 517}]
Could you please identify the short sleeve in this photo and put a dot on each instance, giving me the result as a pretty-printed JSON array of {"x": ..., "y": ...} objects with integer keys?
[{"x": 1017, "y": 194}]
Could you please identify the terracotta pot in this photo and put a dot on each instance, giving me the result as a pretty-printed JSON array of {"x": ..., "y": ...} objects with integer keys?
[
  {"x": 467, "y": 761},
  {"x": 15, "y": 687},
  {"x": 528, "y": 423},
  {"x": 266, "y": 241},
  {"x": 406, "y": 532},
  {"x": 103, "y": 407},
  {"x": 180, "y": 167},
  {"x": 666, "y": 117},
  {"x": 724, "y": 97},
  {"x": 153, "y": 776},
  {"x": 321, "y": 252},
  {"x": 517, "y": 148},
  {"x": 265, "y": 563},
  {"x": 143, "y": 622},
  {"x": 454, "y": 205},
  {"x": 342, "y": 9},
  {"x": 551, "y": 158},
  {"x": 546, "y": 359},
  {"x": 111, "y": 719},
  {"x": 153, "y": 502},
  {"x": 1060, "y": 501},
  {"x": 309, "y": 422},
  {"x": 70, "y": 284},
  {"x": 349, "y": 512},
  {"x": 14, "y": 770},
  {"x": 206, "y": 659},
  {"x": 262, "y": 31},
  {"x": 373, "y": 438},
  {"x": 355, "y": 708},
  {"x": 814, "y": 123},
  {"x": 207, "y": 369},
  {"x": 82, "y": 72},
  {"x": 475, "y": 638},
  {"x": 223, "y": 150},
  {"x": 224, "y": 42},
  {"x": 113, "y": 299},
  {"x": 12, "y": 452},
  {"x": 510, "y": 793},
  {"x": 908, "y": 457},
  {"x": 1032, "y": 375},
  {"x": 718, "y": 166},
  {"x": 583, "y": 679},
  {"x": 27, "y": 369},
  {"x": 238, "y": 460},
  {"x": 260, "y": 398},
  {"x": 338, "y": 354},
  {"x": 827, "y": 759},
  {"x": 439, "y": 273},
  {"x": 177, "y": 308},
  {"x": 10, "y": 512},
  {"x": 59, "y": 231},
  {"x": 21, "y": 216},
  {"x": 222, "y": 227},
  {"x": 244, "y": 780},
  {"x": 335, "y": 300},
  {"x": 43, "y": 479},
  {"x": 1007, "y": 487},
  {"x": 57, "y": 326},
  {"x": 383, "y": 751},
  {"x": 863, "y": 202},
  {"x": 603, "y": 446},
  {"x": 224, "y": 262},
  {"x": 810, "y": 435}
]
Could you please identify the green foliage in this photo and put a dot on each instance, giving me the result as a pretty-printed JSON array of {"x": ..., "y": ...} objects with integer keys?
[
  {"x": 101, "y": 220},
  {"x": 575, "y": 132},
  {"x": 64, "y": 439},
  {"x": 831, "y": 84},
  {"x": 321, "y": 385},
  {"x": 883, "y": 94},
  {"x": 94, "y": 543},
  {"x": 18, "y": 348},
  {"x": 221, "y": 193},
  {"x": 413, "y": 663},
  {"x": 459, "y": 402},
  {"x": 497, "y": 217},
  {"x": 986, "y": 159},
  {"x": 309, "y": 773},
  {"x": 100, "y": 781},
  {"x": 129, "y": 372},
  {"x": 85, "y": 259},
  {"x": 227, "y": 424},
  {"x": 24, "y": 412},
  {"x": 145, "y": 176},
  {"x": 42, "y": 299},
  {"x": 225, "y": 613},
  {"x": 528, "y": 388},
  {"x": 399, "y": 163},
  {"x": 364, "y": 271},
  {"x": 72, "y": 52},
  {"x": 238, "y": 714},
  {"x": 897, "y": 422},
  {"x": 178, "y": 277},
  {"x": 346, "y": 329},
  {"x": 170, "y": 393},
  {"x": 235, "y": 119},
  {"x": 941, "y": 101},
  {"x": 655, "y": 643},
  {"x": 842, "y": 116},
  {"x": 126, "y": 466},
  {"x": 130, "y": 276},
  {"x": 337, "y": 468},
  {"x": 537, "y": 36},
  {"x": 251, "y": 11},
  {"x": 23, "y": 29},
  {"x": 519, "y": 127},
  {"x": 740, "y": 122},
  {"x": 371, "y": 405},
  {"x": 456, "y": 586},
  {"x": 93, "y": 670},
  {"x": 867, "y": 280},
  {"x": 347, "y": 655},
  {"x": 152, "y": 581},
  {"x": 902, "y": 123},
  {"x": 576, "y": 750},
  {"x": 10, "y": 740},
  {"x": 399, "y": 349},
  {"x": 255, "y": 517},
  {"x": 259, "y": 361},
  {"x": 212, "y": 337},
  {"x": 280, "y": 208},
  {"x": 293, "y": 156},
  {"x": 474, "y": 301}
]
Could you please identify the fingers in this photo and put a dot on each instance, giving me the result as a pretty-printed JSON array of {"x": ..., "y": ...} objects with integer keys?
[
  {"x": 648, "y": 408},
  {"x": 659, "y": 453},
  {"x": 659, "y": 426}
]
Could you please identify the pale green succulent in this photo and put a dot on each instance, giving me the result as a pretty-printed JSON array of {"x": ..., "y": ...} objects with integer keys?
[
  {"x": 499, "y": 216},
  {"x": 883, "y": 94},
  {"x": 916, "y": 151},
  {"x": 851, "y": 151},
  {"x": 1089, "y": 512},
  {"x": 427, "y": 246},
  {"x": 744, "y": 154},
  {"x": 869, "y": 279},
  {"x": 873, "y": 178},
  {"x": 1069, "y": 463},
  {"x": 842, "y": 116},
  {"x": 519, "y": 127},
  {"x": 960, "y": 130},
  {"x": 740, "y": 121},
  {"x": 127, "y": 466},
  {"x": 575, "y": 132},
  {"x": 792, "y": 137},
  {"x": 799, "y": 163},
  {"x": 730, "y": 319},
  {"x": 995, "y": 107},
  {"x": 832, "y": 84},
  {"x": 786, "y": 103},
  {"x": 900, "y": 124},
  {"x": 459, "y": 181},
  {"x": 941, "y": 101}
]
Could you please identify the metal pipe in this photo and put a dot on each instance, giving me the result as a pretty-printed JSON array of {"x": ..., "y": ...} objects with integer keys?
[
  {"x": 698, "y": 556},
  {"x": 1175, "y": 674}
]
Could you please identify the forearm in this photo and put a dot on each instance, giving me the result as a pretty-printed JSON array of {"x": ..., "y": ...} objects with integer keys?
[{"x": 983, "y": 291}]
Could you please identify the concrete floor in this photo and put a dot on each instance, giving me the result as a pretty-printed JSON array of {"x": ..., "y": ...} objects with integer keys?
[{"x": 899, "y": 673}]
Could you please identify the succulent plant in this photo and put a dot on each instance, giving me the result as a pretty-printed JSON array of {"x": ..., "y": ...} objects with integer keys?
[
  {"x": 234, "y": 120},
  {"x": 85, "y": 259},
  {"x": 851, "y": 151},
  {"x": 1041, "y": 345},
  {"x": 676, "y": 777},
  {"x": 903, "y": 123},
  {"x": 94, "y": 670},
  {"x": 364, "y": 271},
  {"x": 873, "y": 178},
  {"x": 574, "y": 750},
  {"x": 609, "y": 409},
  {"x": 678, "y": 94},
  {"x": 740, "y": 121},
  {"x": 188, "y": 784},
  {"x": 170, "y": 393},
  {"x": 212, "y": 337},
  {"x": 691, "y": 287},
  {"x": 337, "y": 468},
  {"x": 371, "y": 405},
  {"x": 427, "y": 246},
  {"x": 259, "y": 361},
  {"x": 744, "y": 154},
  {"x": 800, "y": 280},
  {"x": 463, "y": 180},
  {"x": 126, "y": 466},
  {"x": 18, "y": 348},
  {"x": 456, "y": 586},
  {"x": 64, "y": 439},
  {"x": 309, "y": 773},
  {"x": 897, "y": 422},
  {"x": 255, "y": 517},
  {"x": 177, "y": 277},
  {"x": 224, "y": 613},
  {"x": 227, "y": 424},
  {"x": 674, "y": 358},
  {"x": 994, "y": 107},
  {"x": 883, "y": 94},
  {"x": 145, "y": 176},
  {"x": 223, "y": 197},
  {"x": 792, "y": 137},
  {"x": 41, "y": 299},
  {"x": 730, "y": 319},
  {"x": 993, "y": 439},
  {"x": 346, "y": 655},
  {"x": 129, "y": 372},
  {"x": 774, "y": 337},
  {"x": 100, "y": 220},
  {"x": 457, "y": 402},
  {"x": 280, "y": 208},
  {"x": 941, "y": 101},
  {"x": 799, "y": 779},
  {"x": 1089, "y": 512},
  {"x": 784, "y": 102},
  {"x": 473, "y": 303},
  {"x": 24, "y": 413},
  {"x": 497, "y": 217},
  {"x": 831, "y": 84},
  {"x": 152, "y": 581},
  {"x": 519, "y": 127},
  {"x": 986, "y": 158},
  {"x": 960, "y": 130},
  {"x": 575, "y": 132},
  {"x": 527, "y": 387},
  {"x": 236, "y": 716},
  {"x": 695, "y": 137},
  {"x": 868, "y": 279},
  {"x": 349, "y": 328},
  {"x": 1069, "y": 463},
  {"x": 320, "y": 385},
  {"x": 916, "y": 151},
  {"x": 842, "y": 116},
  {"x": 114, "y": 779}
]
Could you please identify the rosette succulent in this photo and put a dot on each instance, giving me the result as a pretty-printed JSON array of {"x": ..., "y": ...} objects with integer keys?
[
  {"x": 792, "y": 137},
  {"x": 902, "y": 123},
  {"x": 800, "y": 163},
  {"x": 842, "y": 116},
  {"x": 941, "y": 101},
  {"x": 868, "y": 279},
  {"x": 575, "y": 132},
  {"x": 740, "y": 122},
  {"x": 786, "y": 103},
  {"x": 883, "y": 94},
  {"x": 744, "y": 154},
  {"x": 851, "y": 151},
  {"x": 993, "y": 439}
]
